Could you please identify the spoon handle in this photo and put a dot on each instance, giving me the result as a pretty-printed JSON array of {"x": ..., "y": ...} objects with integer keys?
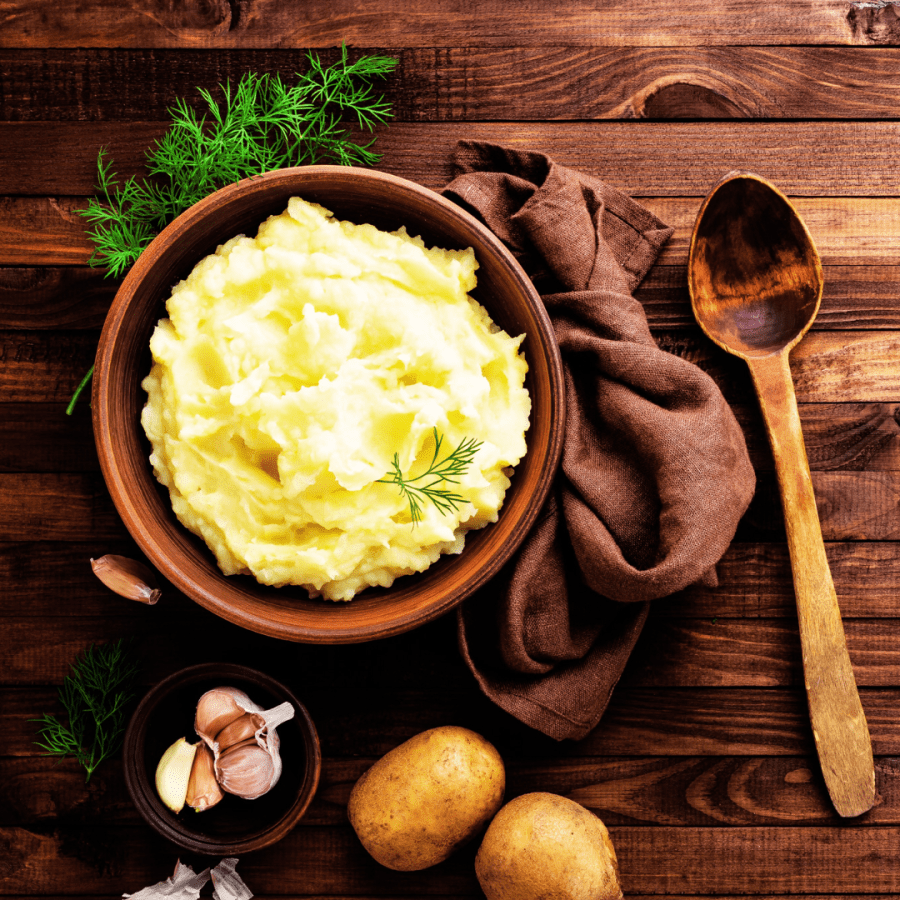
[{"x": 838, "y": 721}]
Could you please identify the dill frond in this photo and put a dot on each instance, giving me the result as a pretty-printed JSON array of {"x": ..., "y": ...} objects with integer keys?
[
  {"x": 256, "y": 126},
  {"x": 440, "y": 473},
  {"x": 94, "y": 696}
]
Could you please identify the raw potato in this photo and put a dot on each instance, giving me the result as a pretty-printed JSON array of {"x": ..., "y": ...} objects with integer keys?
[
  {"x": 427, "y": 797},
  {"x": 543, "y": 845}
]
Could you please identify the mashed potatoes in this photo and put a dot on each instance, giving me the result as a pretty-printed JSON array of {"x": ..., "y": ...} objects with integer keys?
[{"x": 294, "y": 366}]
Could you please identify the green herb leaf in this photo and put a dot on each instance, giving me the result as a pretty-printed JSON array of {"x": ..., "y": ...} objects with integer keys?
[
  {"x": 94, "y": 697},
  {"x": 440, "y": 472}
]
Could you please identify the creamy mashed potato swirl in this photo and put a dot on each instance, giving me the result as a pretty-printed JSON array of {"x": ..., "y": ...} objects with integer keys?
[{"x": 294, "y": 365}]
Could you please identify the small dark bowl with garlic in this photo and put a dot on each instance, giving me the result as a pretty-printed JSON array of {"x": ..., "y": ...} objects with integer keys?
[{"x": 233, "y": 825}]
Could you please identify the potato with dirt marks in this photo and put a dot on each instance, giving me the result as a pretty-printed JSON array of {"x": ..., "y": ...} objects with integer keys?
[
  {"x": 542, "y": 845},
  {"x": 427, "y": 797}
]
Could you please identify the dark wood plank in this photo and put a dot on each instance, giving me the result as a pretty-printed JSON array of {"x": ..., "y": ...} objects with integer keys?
[
  {"x": 40, "y": 437},
  {"x": 854, "y": 160},
  {"x": 838, "y": 436},
  {"x": 481, "y": 83},
  {"x": 680, "y": 791},
  {"x": 52, "y": 579},
  {"x": 860, "y": 506},
  {"x": 363, "y": 721},
  {"x": 488, "y": 23},
  {"x": 75, "y": 297},
  {"x": 57, "y": 506},
  {"x": 311, "y": 861},
  {"x": 828, "y": 366},
  {"x": 45, "y": 366},
  {"x": 672, "y": 651},
  {"x": 721, "y": 652},
  {"x": 849, "y": 232},
  {"x": 854, "y": 297},
  {"x": 755, "y": 580}
]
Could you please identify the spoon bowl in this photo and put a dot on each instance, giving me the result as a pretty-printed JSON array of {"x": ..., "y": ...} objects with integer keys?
[
  {"x": 755, "y": 281},
  {"x": 755, "y": 275}
]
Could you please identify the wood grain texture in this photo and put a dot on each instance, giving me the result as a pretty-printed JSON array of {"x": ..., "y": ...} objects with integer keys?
[
  {"x": 755, "y": 581},
  {"x": 849, "y": 232},
  {"x": 670, "y": 791},
  {"x": 761, "y": 860},
  {"x": 40, "y": 437},
  {"x": 672, "y": 652},
  {"x": 860, "y": 506},
  {"x": 54, "y": 298},
  {"x": 463, "y": 84},
  {"x": 369, "y": 721},
  {"x": 855, "y": 297},
  {"x": 853, "y": 367},
  {"x": 704, "y": 765},
  {"x": 53, "y": 578},
  {"x": 486, "y": 23},
  {"x": 646, "y": 159},
  {"x": 857, "y": 437}
]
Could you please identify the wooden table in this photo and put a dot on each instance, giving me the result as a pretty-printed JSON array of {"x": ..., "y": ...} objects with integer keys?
[{"x": 703, "y": 766}]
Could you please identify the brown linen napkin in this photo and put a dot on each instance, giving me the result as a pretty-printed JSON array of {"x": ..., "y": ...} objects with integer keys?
[{"x": 655, "y": 474}]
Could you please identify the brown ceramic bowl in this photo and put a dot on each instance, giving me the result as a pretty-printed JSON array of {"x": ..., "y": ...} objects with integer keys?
[
  {"x": 123, "y": 359},
  {"x": 233, "y": 826}
]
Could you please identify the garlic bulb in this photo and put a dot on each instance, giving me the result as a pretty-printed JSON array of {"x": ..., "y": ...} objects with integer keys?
[{"x": 242, "y": 738}]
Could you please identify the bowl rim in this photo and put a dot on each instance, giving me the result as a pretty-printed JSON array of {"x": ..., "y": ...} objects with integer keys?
[
  {"x": 142, "y": 792},
  {"x": 257, "y": 618}
]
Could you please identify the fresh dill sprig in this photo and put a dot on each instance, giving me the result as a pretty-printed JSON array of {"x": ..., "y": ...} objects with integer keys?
[
  {"x": 440, "y": 472},
  {"x": 94, "y": 697},
  {"x": 258, "y": 125}
]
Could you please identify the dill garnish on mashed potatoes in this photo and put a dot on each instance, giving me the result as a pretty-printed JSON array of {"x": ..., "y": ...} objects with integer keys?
[{"x": 299, "y": 371}]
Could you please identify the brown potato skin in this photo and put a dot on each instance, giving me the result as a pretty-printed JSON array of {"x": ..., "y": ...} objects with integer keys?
[
  {"x": 542, "y": 845},
  {"x": 427, "y": 797}
]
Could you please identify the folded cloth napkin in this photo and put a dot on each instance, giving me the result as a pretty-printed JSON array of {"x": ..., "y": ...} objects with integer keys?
[{"x": 654, "y": 476}]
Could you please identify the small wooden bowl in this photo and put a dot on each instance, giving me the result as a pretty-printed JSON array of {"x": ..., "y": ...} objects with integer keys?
[
  {"x": 234, "y": 826},
  {"x": 123, "y": 359}
]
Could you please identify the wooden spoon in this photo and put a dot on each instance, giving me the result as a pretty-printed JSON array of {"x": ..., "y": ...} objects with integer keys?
[{"x": 756, "y": 284}]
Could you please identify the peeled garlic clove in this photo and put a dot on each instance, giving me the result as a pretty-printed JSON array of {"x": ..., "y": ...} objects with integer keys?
[
  {"x": 127, "y": 577},
  {"x": 203, "y": 790},
  {"x": 174, "y": 772},
  {"x": 218, "y": 708},
  {"x": 240, "y": 729},
  {"x": 246, "y": 769}
]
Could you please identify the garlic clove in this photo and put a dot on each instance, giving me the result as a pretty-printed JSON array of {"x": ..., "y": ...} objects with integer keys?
[
  {"x": 203, "y": 790},
  {"x": 127, "y": 577},
  {"x": 218, "y": 708},
  {"x": 246, "y": 769},
  {"x": 173, "y": 774},
  {"x": 246, "y": 726}
]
